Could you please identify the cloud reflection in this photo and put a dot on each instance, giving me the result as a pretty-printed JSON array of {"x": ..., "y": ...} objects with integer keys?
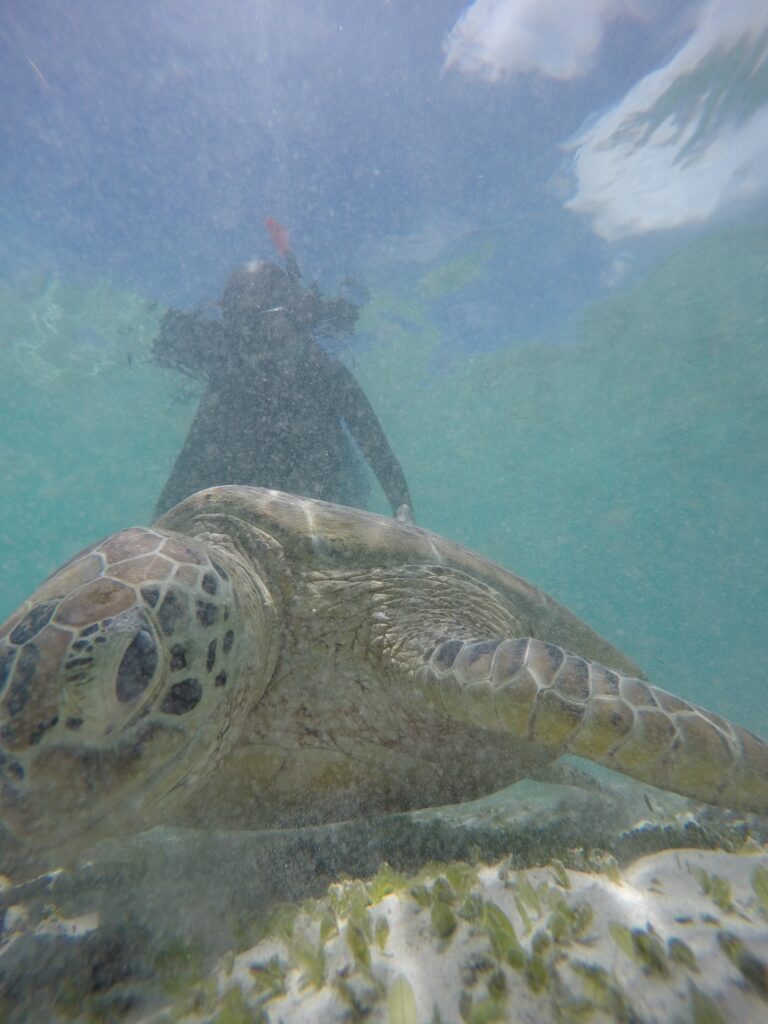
[
  {"x": 557, "y": 38},
  {"x": 689, "y": 139}
]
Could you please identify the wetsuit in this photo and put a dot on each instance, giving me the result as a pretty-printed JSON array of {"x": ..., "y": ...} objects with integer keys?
[{"x": 277, "y": 420}]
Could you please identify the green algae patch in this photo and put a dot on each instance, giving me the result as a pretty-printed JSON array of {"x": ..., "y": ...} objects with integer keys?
[
  {"x": 718, "y": 889},
  {"x": 420, "y": 893},
  {"x": 760, "y": 886},
  {"x": 559, "y": 874},
  {"x": 601, "y": 991},
  {"x": 482, "y": 1011},
  {"x": 311, "y": 959},
  {"x": 381, "y": 932},
  {"x": 443, "y": 919},
  {"x": 350, "y": 899},
  {"x": 704, "y": 1010},
  {"x": 481, "y": 943},
  {"x": 643, "y": 946},
  {"x": 567, "y": 922},
  {"x": 528, "y": 894},
  {"x": 753, "y": 969},
  {"x": 385, "y": 882},
  {"x": 681, "y": 953},
  {"x": 358, "y": 943},
  {"x": 501, "y": 933},
  {"x": 401, "y": 1003},
  {"x": 269, "y": 979},
  {"x": 235, "y": 1010}
]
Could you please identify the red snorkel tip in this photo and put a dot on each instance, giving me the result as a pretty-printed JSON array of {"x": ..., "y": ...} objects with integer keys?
[{"x": 279, "y": 236}]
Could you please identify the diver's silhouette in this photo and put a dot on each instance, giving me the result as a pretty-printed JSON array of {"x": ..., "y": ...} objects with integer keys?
[{"x": 278, "y": 409}]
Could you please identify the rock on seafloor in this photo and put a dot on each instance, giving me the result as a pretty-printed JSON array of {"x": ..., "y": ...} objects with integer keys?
[
  {"x": 680, "y": 936},
  {"x": 231, "y": 927}
]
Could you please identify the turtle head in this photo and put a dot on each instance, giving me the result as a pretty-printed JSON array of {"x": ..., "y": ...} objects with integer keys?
[{"x": 120, "y": 685}]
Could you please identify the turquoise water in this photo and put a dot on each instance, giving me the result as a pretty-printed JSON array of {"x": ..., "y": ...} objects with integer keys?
[
  {"x": 556, "y": 216},
  {"x": 624, "y": 471}
]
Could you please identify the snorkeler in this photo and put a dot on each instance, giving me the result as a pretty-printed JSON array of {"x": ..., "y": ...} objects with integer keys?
[{"x": 278, "y": 409}]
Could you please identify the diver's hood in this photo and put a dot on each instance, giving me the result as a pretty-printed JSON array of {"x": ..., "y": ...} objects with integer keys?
[{"x": 256, "y": 287}]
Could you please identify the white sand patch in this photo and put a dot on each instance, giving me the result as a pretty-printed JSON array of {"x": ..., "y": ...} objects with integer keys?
[{"x": 677, "y": 934}]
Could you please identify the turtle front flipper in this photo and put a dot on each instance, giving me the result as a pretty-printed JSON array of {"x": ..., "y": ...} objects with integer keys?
[{"x": 544, "y": 694}]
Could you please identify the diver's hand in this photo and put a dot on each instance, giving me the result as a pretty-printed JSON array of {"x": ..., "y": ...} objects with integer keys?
[{"x": 405, "y": 515}]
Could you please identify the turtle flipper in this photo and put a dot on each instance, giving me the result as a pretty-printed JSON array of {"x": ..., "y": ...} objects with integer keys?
[{"x": 545, "y": 694}]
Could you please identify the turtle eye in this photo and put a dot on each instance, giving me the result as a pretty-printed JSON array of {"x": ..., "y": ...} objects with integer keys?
[{"x": 137, "y": 666}]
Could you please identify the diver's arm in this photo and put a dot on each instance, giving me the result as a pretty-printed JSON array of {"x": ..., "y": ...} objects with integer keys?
[
  {"x": 188, "y": 342},
  {"x": 371, "y": 439}
]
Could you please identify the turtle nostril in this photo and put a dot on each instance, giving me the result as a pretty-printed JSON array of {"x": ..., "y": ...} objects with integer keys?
[{"x": 137, "y": 667}]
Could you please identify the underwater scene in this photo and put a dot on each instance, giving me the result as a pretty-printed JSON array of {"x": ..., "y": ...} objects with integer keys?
[{"x": 384, "y": 521}]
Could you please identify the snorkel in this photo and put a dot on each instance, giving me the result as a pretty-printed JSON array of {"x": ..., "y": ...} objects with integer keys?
[
  {"x": 282, "y": 243},
  {"x": 326, "y": 316}
]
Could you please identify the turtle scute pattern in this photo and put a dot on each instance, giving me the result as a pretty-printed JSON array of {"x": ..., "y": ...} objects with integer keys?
[
  {"x": 142, "y": 622},
  {"x": 537, "y": 691},
  {"x": 269, "y": 659}
]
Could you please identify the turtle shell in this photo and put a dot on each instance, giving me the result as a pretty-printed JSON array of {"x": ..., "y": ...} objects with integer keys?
[{"x": 316, "y": 534}]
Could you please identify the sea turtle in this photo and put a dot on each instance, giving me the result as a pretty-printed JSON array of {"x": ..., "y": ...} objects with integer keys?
[{"x": 258, "y": 659}]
